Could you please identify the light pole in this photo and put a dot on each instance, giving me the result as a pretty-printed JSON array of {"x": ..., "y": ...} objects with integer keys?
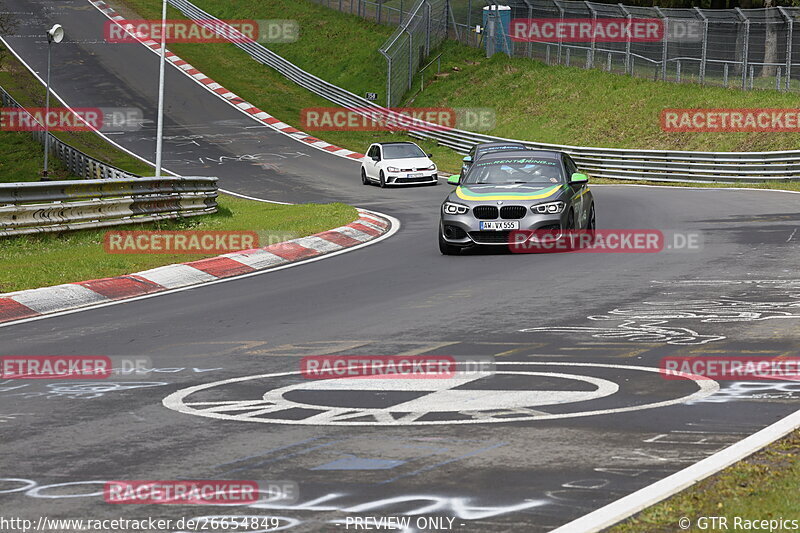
[
  {"x": 160, "y": 127},
  {"x": 54, "y": 35}
]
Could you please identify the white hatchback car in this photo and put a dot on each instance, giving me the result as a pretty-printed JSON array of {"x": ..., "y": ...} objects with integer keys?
[{"x": 397, "y": 163}]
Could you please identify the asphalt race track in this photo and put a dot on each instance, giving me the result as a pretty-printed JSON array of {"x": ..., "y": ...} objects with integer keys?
[{"x": 571, "y": 425}]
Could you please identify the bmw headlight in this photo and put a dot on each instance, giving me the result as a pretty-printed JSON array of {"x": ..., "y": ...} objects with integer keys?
[
  {"x": 432, "y": 167},
  {"x": 449, "y": 208},
  {"x": 393, "y": 169},
  {"x": 550, "y": 208}
]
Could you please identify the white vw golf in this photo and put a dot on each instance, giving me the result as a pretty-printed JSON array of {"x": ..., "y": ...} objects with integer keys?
[{"x": 397, "y": 163}]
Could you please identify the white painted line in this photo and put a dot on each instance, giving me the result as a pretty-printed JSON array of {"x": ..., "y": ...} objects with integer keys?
[
  {"x": 176, "y": 401},
  {"x": 652, "y": 494}
]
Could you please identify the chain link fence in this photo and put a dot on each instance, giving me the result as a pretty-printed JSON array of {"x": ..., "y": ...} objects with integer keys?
[
  {"x": 422, "y": 26},
  {"x": 744, "y": 48},
  {"x": 741, "y": 48}
]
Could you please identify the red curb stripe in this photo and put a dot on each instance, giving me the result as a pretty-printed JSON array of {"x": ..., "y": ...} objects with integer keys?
[
  {"x": 356, "y": 156},
  {"x": 253, "y": 110},
  {"x": 291, "y": 130},
  {"x": 271, "y": 120},
  {"x": 221, "y": 267},
  {"x": 179, "y": 62},
  {"x": 291, "y": 251},
  {"x": 193, "y": 71},
  {"x": 221, "y": 90},
  {"x": 13, "y": 310},
  {"x": 121, "y": 287},
  {"x": 338, "y": 238},
  {"x": 332, "y": 148},
  {"x": 366, "y": 229}
]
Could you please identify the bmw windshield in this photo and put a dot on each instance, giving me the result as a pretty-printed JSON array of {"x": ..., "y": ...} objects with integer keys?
[{"x": 515, "y": 170}]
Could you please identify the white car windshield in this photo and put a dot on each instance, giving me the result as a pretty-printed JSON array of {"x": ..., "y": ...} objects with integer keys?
[
  {"x": 402, "y": 151},
  {"x": 515, "y": 170}
]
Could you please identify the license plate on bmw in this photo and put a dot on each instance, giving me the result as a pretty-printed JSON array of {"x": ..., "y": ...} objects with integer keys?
[
  {"x": 500, "y": 225},
  {"x": 415, "y": 175}
]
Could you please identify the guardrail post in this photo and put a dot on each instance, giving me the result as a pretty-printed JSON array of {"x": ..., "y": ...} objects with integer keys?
[
  {"x": 590, "y": 56},
  {"x": 789, "y": 35},
  {"x": 745, "y": 46},
  {"x": 725, "y": 74}
]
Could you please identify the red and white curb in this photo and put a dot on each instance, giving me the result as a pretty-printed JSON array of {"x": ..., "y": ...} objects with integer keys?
[
  {"x": 47, "y": 300},
  {"x": 230, "y": 97}
]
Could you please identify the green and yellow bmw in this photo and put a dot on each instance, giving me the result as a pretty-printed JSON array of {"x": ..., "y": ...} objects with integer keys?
[{"x": 537, "y": 190}]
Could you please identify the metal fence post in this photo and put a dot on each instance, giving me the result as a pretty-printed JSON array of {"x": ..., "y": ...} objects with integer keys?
[
  {"x": 789, "y": 35},
  {"x": 664, "y": 48},
  {"x": 746, "y": 46},
  {"x": 627, "y": 39},
  {"x": 428, "y": 29},
  {"x": 469, "y": 19},
  {"x": 561, "y": 22},
  {"x": 704, "y": 52},
  {"x": 590, "y": 56},
  {"x": 388, "y": 77},
  {"x": 529, "y": 45},
  {"x": 410, "y": 59}
]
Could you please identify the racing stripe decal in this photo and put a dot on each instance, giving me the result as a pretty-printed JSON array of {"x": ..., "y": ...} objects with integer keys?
[{"x": 465, "y": 194}]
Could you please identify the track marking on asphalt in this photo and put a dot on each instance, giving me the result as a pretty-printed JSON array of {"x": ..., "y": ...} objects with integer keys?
[{"x": 431, "y": 396}]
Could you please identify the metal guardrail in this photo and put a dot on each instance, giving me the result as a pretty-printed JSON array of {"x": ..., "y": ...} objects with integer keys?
[
  {"x": 51, "y": 206},
  {"x": 78, "y": 163},
  {"x": 615, "y": 163}
]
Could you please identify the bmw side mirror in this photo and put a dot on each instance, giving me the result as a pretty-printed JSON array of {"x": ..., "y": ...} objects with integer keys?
[
  {"x": 376, "y": 158},
  {"x": 579, "y": 178},
  {"x": 429, "y": 155},
  {"x": 454, "y": 179},
  {"x": 467, "y": 159}
]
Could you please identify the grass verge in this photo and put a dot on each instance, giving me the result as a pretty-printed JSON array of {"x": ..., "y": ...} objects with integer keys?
[
  {"x": 29, "y": 262},
  {"x": 761, "y": 487}
]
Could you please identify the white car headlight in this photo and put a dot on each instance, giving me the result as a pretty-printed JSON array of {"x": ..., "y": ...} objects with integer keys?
[
  {"x": 392, "y": 169},
  {"x": 449, "y": 208},
  {"x": 432, "y": 167},
  {"x": 550, "y": 208}
]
